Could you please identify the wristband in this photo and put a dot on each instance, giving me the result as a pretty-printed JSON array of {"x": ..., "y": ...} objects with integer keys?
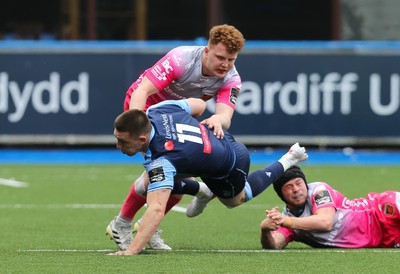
[{"x": 288, "y": 222}]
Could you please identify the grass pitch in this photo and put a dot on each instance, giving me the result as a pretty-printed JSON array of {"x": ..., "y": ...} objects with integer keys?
[{"x": 56, "y": 222}]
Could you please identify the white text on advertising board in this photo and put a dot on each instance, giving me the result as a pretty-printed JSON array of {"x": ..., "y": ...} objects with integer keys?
[
  {"x": 315, "y": 94},
  {"x": 46, "y": 96}
]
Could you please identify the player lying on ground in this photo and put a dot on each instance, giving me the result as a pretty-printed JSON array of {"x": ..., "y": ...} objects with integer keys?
[
  {"x": 174, "y": 143},
  {"x": 319, "y": 216}
]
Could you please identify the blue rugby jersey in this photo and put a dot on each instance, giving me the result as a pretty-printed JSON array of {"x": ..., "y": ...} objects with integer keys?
[{"x": 181, "y": 145}]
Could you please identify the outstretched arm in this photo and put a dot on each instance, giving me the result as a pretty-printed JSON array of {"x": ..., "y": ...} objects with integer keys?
[
  {"x": 140, "y": 95},
  {"x": 220, "y": 120},
  {"x": 156, "y": 204},
  {"x": 322, "y": 220},
  {"x": 270, "y": 239}
]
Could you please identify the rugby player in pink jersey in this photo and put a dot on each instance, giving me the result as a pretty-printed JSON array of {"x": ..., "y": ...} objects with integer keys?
[
  {"x": 319, "y": 216},
  {"x": 185, "y": 72}
]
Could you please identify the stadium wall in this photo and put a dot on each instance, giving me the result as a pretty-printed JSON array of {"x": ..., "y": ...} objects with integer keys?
[{"x": 319, "y": 93}]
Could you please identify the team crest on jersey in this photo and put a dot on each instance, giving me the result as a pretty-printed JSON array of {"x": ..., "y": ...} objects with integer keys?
[
  {"x": 156, "y": 175},
  {"x": 388, "y": 209},
  {"x": 233, "y": 96},
  {"x": 323, "y": 197},
  {"x": 169, "y": 145}
]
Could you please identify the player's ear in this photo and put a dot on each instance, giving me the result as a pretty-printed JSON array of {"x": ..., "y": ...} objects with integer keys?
[{"x": 143, "y": 139}]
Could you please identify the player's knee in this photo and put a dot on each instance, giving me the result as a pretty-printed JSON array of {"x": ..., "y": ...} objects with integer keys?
[
  {"x": 248, "y": 193},
  {"x": 234, "y": 202},
  {"x": 140, "y": 186}
]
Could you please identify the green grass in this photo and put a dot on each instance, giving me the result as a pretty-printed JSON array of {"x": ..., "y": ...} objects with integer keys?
[{"x": 57, "y": 225}]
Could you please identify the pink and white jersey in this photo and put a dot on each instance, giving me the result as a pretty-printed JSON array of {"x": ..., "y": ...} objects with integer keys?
[
  {"x": 373, "y": 221},
  {"x": 178, "y": 75}
]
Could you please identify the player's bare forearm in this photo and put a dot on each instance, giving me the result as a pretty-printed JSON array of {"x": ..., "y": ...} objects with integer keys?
[
  {"x": 322, "y": 220},
  {"x": 269, "y": 239},
  {"x": 225, "y": 114},
  {"x": 220, "y": 120},
  {"x": 140, "y": 95},
  {"x": 150, "y": 221},
  {"x": 272, "y": 240},
  {"x": 156, "y": 204}
]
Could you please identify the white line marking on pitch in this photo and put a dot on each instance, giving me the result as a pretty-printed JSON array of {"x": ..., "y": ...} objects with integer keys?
[
  {"x": 308, "y": 250},
  {"x": 58, "y": 206},
  {"x": 179, "y": 209},
  {"x": 12, "y": 183}
]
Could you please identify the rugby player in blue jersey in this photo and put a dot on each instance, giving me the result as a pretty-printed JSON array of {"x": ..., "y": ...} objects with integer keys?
[{"x": 174, "y": 144}]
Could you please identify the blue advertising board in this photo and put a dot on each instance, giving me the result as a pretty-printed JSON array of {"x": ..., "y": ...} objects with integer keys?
[
  {"x": 317, "y": 95},
  {"x": 64, "y": 93}
]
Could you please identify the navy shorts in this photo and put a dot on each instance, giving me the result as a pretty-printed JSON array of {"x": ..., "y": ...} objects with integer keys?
[{"x": 234, "y": 183}]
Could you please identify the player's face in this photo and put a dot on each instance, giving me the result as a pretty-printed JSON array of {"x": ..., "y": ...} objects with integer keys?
[
  {"x": 295, "y": 193},
  {"x": 128, "y": 145},
  {"x": 217, "y": 60}
]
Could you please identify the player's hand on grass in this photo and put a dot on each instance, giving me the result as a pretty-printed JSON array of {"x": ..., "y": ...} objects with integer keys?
[
  {"x": 272, "y": 221},
  {"x": 276, "y": 217},
  {"x": 123, "y": 253}
]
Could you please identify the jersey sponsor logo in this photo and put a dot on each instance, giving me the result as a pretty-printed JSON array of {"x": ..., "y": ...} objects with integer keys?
[
  {"x": 233, "y": 96},
  {"x": 323, "y": 197},
  {"x": 156, "y": 175},
  {"x": 167, "y": 65},
  {"x": 360, "y": 203},
  {"x": 158, "y": 73},
  {"x": 169, "y": 145},
  {"x": 161, "y": 72},
  {"x": 206, "y": 141}
]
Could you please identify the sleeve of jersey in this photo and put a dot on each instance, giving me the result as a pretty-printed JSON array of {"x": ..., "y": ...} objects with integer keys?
[
  {"x": 166, "y": 69},
  {"x": 161, "y": 174},
  {"x": 322, "y": 196},
  {"x": 229, "y": 92},
  {"x": 287, "y": 232}
]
